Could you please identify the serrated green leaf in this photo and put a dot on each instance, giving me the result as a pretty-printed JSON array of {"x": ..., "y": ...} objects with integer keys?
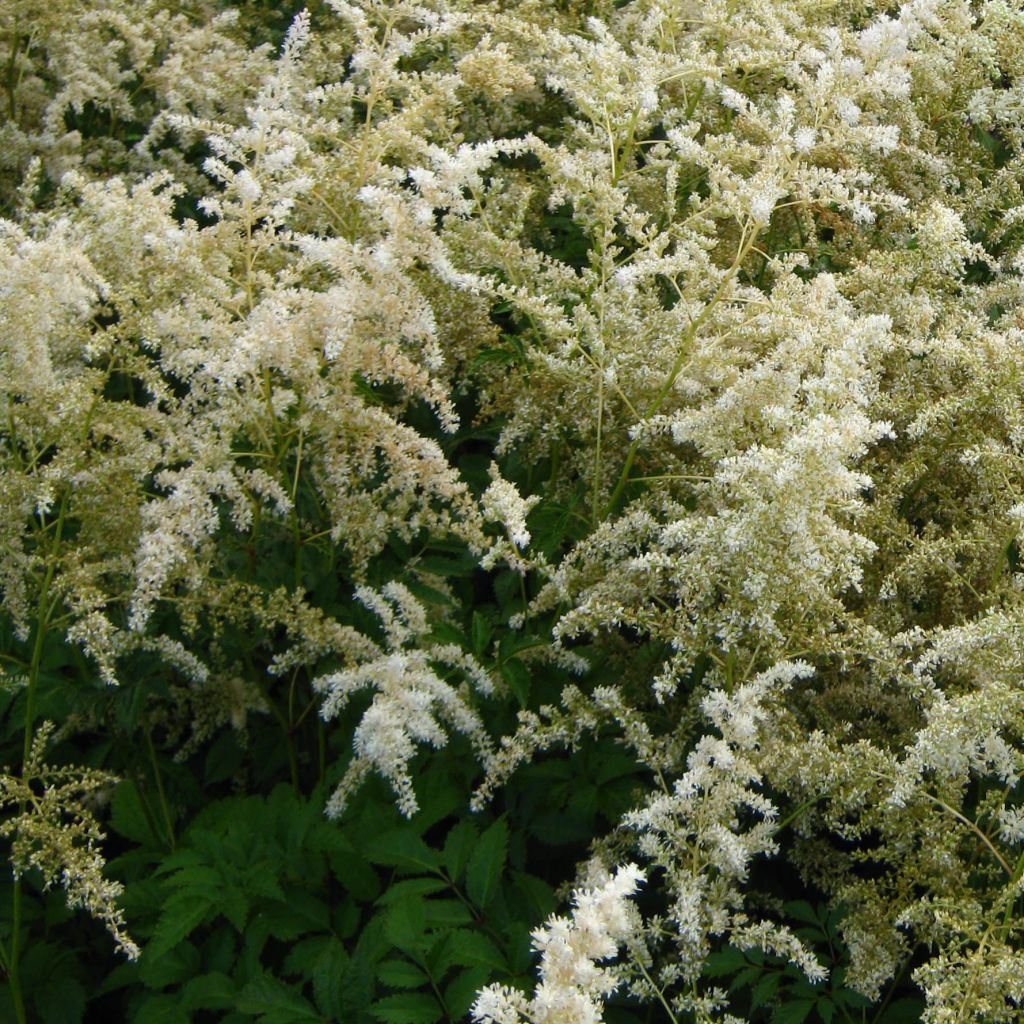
[
  {"x": 492, "y": 355},
  {"x": 223, "y": 759},
  {"x": 794, "y": 1012},
  {"x": 302, "y": 955},
  {"x": 445, "y": 567},
  {"x": 128, "y": 815},
  {"x": 486, "y": 864},
  {"x": 402, "y": 848},
  {"x": 182, "y": 914},
  {"x": 159, "y": 1009},
  {"x": 724, "y": 963},
  {"x": 122, "y": 976},
  {"x": 457, "y": 848},
  {"x": 329, "y": 979},
  {"x": 358, "y": 987},
  {"x": 213, "y": 991},
  {"x": 62, "y": 1002},
  {"x": 517, "y": 677},
  {"x": 405, "y": 924},
  {"x": 273, "y": 1002},
  {"x": 301, "y": 911},
  {"x": 175, "y": 966},
  {"x": 410, "y": 887},
  {"x": 801, "y": 910},
  {"x": 468, "y": 948},
  {"x": 401, "y": 974},
  {"x": 355, "y": 874},
  {"x": 614, "y": 765},
  {"x": 903, "y": 1011},
  {"x": 446, "y": 913},
  {"x": 461, "y": 991},
  {"x": 408, "y": 1008},
  {"x": 480, "y": 634},
  {"x": 765, "y": 988},
  {"x": 539, "y": 899},
  {"x": 745, "y": 978},
  {"x": 519, "y": 948}
]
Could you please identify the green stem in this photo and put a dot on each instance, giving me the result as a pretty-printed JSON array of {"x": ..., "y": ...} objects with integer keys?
[
  {"x": 661, "y": 995},
  {"x": 790, "y": 818},
  {"x": 165, "y": 809},
  {"x": 596, "y": 502},
  {"x": 13, "y": 977},
  {"x": 44, "y": 612},
  {"x": 282, "y": 721},
  {"x": 321, "y": 739},
  {"x": 1018, "y": 870},
  {"x": 12, "y": 64}
]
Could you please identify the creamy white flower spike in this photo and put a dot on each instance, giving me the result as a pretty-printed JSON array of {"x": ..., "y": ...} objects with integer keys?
[{"x": 572, "y": 985}]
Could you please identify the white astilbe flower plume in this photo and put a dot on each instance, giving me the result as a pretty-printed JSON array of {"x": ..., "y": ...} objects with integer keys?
[
  {"x": 572, "y": 985},
  {"x": 502, "y": 503},
  {"x": 411, "y": 700}
]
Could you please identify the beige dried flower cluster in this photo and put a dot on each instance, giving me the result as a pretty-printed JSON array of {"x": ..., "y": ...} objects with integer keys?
[
  {"x": 52, "y": 829},
  {"x": 773, "y": 363}
]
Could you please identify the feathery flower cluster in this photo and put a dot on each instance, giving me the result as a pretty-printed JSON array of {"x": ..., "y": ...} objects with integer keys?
[
  {"x": 410, "y": 697},
  {"x": 572, "y": 986},
  {"x": 737, "y": 293}
]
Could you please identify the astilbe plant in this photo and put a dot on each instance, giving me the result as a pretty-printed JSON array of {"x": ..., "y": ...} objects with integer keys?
[{"x": 744, "y": 279}]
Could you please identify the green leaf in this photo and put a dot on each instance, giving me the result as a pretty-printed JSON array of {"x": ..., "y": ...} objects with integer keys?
[
  {"x": 62, "y": 1002},
  {"x": 745, "y": 978},
  {"x": 724, "y": 963},
  {"x": 357, "y": 984},
  {"x": 407, "y": 1008},
  {"x": 903, "y": 1011},
  {"x": 214, "y": 991},
  {"x": 539, "y": 900},
  {"x": 274, "y": 1002},
  {"x": 615, "y": 764},
  {"x": 410, "y": 887},
  {"x": 519, "y": 947},
  {"x": 128, "y": 816},
  {"x": 302, "y": 956},
  {"x": 794, "y": 1012},
  {"x": 160, "y": 1009},
  {"x": 182, "y": 914},
  {"x": 351, "y": 869},
  {"x": 473, "y": 949},
  {"x": 123, "y": 975},
  {"x": 801, "y": 910},
  {"x": 405, "y": 925},
  {"x": 300, "y": 912},
  {"x": 480, "y": 633},
  {"x": 329, "y": 979},
  {"x": 172, "y": 967},
  {"x": 458, "y": 847},
  {"x": 518, "y": 678},
  {"x": 492, "y": 355},
  {"x": 439, "y": 565},
  {"x": 446, "y": 913},
  {"x": 401, "y": 974},
  {"x": 223, "y": 759},
  {"x": 765, "y": 988},
  {"x": 486, "y": 864},
  {"x": 460, "y": 993},
  {"x": 402, "y": 848}
]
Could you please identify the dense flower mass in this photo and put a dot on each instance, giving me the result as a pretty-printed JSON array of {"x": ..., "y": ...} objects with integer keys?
[
  {"x": 572, "y": 985},
  {"x": 692, "y": 330}
]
